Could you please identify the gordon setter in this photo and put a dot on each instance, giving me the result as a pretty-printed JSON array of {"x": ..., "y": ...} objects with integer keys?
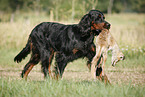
[{"x": 69, "y": 42}]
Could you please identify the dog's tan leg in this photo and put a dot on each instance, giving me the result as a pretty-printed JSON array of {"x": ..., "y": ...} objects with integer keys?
[
  {"x": 28, "y": 70},
  {"x": 50, "y": 60}
]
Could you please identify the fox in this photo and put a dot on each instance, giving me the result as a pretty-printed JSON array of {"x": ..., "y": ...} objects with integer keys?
[{"x": 105, "y": 42}]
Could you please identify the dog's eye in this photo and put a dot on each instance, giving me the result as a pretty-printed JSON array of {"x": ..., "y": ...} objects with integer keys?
[{"x": 99, "y": 16}]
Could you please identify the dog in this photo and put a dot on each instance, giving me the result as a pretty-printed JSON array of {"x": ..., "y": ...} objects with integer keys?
[
  {"x": 69, "y": 42},
  {"x": 105, "y": 42}
]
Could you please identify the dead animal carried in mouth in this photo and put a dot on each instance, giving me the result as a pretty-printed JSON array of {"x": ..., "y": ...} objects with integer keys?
[{"x": 105, "y": 42}]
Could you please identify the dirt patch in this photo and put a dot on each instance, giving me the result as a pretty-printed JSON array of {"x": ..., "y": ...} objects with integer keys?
[
  {"x": 117, "y": 76},
  {"x": 133, "y": 76}
]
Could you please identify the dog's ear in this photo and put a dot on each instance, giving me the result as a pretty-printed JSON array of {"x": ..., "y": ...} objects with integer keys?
[
  {"x": 90, "y": 17},
  {"x": 86, "y": 20},
  {"x": 95, "y": 18},
  {"x": 85, "y": 24}
]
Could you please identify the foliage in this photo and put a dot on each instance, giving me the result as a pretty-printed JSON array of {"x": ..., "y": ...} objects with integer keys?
[{"x": 62, "y": 9}]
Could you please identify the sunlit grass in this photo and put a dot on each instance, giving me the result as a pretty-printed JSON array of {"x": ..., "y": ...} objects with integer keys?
[{"x": 64, "y": 88}]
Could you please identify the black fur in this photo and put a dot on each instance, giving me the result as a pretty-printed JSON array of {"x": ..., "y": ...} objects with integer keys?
[{"x": 70, "y": 42}]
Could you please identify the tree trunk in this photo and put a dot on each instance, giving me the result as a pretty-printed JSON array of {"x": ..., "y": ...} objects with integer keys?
[
  {"x": 51, "y": 15},
  {"x": 73, "y": 10},
  {"x": 12, "y": 17},
  {"x": 56, "y": 13},
  {"x": 93, "y": 3},
  {"x": 110, "y": 6}
]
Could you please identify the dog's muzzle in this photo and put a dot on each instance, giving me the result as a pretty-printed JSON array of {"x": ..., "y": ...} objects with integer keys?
[
  {"x": 107, "y": 25},
  {"x": 96, "y": 32}
]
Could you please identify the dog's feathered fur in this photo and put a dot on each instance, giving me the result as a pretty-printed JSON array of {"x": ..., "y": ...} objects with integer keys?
[{"x": 70, "y": 42}]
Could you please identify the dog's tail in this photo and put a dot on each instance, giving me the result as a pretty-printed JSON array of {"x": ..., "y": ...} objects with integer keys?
[{"x": 26, "y": 50}]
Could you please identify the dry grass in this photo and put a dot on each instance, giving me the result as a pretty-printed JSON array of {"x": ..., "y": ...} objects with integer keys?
[
  {"x": 128, "y": 29},
  {"x": 116, "y": 76}
]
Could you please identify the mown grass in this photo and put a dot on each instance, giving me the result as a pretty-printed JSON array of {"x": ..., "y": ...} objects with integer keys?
[{"x": 63, "y": 88}]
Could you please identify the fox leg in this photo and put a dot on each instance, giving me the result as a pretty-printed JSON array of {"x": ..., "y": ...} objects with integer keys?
[{"x": 94, "y": 62}]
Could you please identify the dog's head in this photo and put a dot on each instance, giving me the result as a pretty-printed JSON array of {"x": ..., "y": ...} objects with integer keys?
[{"x": 94, "y": 22}]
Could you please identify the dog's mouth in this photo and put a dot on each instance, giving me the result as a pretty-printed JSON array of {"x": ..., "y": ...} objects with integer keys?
[
  {"x": 96, "y": 32},
  {"x": 98, "y": 27}
]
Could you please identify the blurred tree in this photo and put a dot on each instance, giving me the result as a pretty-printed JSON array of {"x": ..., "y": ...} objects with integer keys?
[
  {"x": 118, "y": 6},
  {"x": 37, "y": 6},
  {"x": 110, "y": 6},
  {"x": 73, "y": 10},
  {"x": 129, "y": 6},
  {"x": 93, "y": 3},
  {"x": 4, "y": 5},
  {"x": 47, "y": 5},
  {"x": 70, "y": 9},
  {"x": 137, "y": 5},
  {"x": 103, "y": 5},
  {"x": 11, "y": 6},
  {"x": 15, "y": 5}
]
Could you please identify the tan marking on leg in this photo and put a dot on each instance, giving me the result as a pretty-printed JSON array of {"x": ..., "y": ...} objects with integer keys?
[
  {"x": 89, "y": 66},
  {"x": 50, "y": 59},
  {"x": 93, "y": 48},
  {"x": 29, "y": 69},
  {"x": 75, "y": 51}
]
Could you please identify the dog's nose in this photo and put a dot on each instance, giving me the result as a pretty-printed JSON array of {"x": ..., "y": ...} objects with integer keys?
[{"x": 107, "y": 25}]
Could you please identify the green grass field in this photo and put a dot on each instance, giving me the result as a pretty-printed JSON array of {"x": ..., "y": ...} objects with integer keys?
[
  {"x": 64, "y": 88},
  {"x": 127, "y": 77}
]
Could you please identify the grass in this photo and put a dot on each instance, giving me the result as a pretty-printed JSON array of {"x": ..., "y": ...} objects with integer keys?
[
  {"x": 127, "y": 76},
  {"x": 63, "y": 88},
  {"x": 75, "y": 81},
  {"x": 133, "y": 60}
]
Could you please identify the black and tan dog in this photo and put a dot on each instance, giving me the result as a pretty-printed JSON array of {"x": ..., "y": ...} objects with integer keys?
[{"x": 70, "y": 42}]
